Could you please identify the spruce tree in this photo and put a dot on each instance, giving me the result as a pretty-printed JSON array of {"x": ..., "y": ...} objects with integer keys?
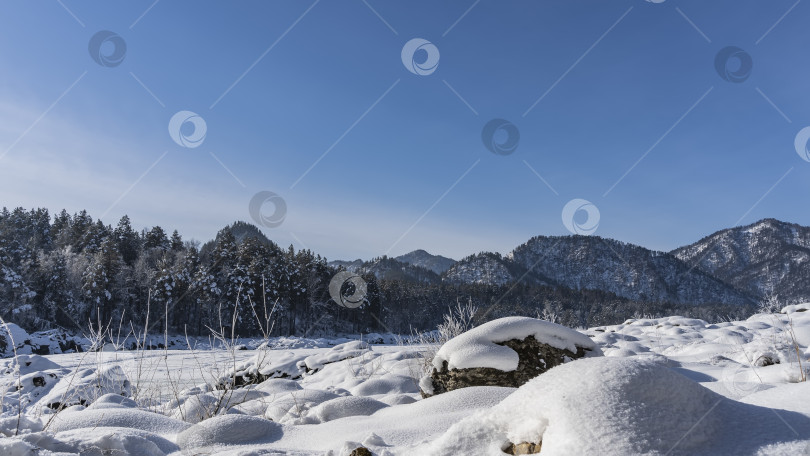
[{"x": 99, "y": 280}]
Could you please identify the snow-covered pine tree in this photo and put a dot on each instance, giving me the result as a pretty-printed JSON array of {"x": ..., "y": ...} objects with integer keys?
[
  {"x": 156, "y": 238},
  {"x": 99, "y": 280},
  {"x": 127, "y": 240}
]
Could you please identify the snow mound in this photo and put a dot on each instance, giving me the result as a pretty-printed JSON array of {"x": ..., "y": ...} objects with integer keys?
[
  {"x": 196, "y": 408},
  {"x": 116, "y": 441},
  {"x": 206, "y": 437},
  {"x": 193, "y": 408},
  {"x": 398, "y": 426},
  {"x": 14, "y": 447},
  {"x": 795, "y": 308},
  {"x": 397, "y": 399},
  {"x": 478, "y": 347},
  {"x": 342, "y": 407},
  {"x": 68, "y": 420},
  {"x": 387, "y": 384},
  {"x": 337, "y": 353},
  {"x": 84, "y": 386},
  {"x": 295, "y": 405},
  {"x": 618, "y": 406},
  {"x": 28, "y": 390},
  {"x": 382, "y": 339},
  {"x": 278, "y": 386},
  {"x": 265, "y": 364},
  {"x": 116, "y": 401},
  {"x": 27, "y": 364},
  {"x": 10, "y": 425}
]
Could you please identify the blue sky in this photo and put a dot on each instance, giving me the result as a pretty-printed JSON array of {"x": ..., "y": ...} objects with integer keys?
[{"x": 597, "y": 90}]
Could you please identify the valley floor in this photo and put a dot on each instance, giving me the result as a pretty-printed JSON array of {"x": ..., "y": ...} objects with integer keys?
[{"x": 670, "y": 385}]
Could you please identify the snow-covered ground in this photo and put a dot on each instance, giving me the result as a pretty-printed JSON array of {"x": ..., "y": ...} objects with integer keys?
[{"x": 665, "y": 386}]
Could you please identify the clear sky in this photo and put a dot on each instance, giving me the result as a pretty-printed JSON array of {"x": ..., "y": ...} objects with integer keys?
[{"x": 619, "y": 103}]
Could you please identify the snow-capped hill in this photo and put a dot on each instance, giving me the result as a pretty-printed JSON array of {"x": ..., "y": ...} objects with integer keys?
[
  {"x": 766, "y": 257},
  {"x": 484, "y": 268},
  {"x": 421, "y": 258},
  {"x": 627, "y": 270}
]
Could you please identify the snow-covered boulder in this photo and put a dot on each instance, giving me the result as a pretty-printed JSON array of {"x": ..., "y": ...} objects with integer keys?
[{"x": 505, "y": 352}]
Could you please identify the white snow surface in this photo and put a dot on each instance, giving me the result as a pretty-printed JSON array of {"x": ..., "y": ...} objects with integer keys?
[
  {"x": 669, "y": 385},
  {"x": 478, "y": 347},
  {"x": 628, "y": 406}
]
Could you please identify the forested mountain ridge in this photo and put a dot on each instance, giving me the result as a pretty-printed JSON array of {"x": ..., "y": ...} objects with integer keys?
[
  {"x": 595, "y": 263},
  {"x": 628, "y": 270},
  {"x": 765, "y": 258},
  {"x": 72, "y": 271}
]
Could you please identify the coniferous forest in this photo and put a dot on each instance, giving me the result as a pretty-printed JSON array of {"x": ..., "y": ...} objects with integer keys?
[{"x": 71, "y": 272}]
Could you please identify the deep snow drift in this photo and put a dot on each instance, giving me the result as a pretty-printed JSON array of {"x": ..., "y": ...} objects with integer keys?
[
  {"x": 665, "y": 386},
  {"x": 619, "y": 406}
]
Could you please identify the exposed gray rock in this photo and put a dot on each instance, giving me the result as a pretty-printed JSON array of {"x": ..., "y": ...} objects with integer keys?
[
  {"x": 361, "y": 451},
  {"x": 523, "y": 448}
]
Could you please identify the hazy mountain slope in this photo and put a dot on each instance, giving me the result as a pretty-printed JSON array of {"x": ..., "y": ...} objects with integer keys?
[
  {"x": 421, "y": 258},
  {"x": 385, "y": 268}
]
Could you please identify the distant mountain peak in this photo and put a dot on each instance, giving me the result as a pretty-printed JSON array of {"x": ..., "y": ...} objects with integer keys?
[{"x": 422, "y": 258}]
